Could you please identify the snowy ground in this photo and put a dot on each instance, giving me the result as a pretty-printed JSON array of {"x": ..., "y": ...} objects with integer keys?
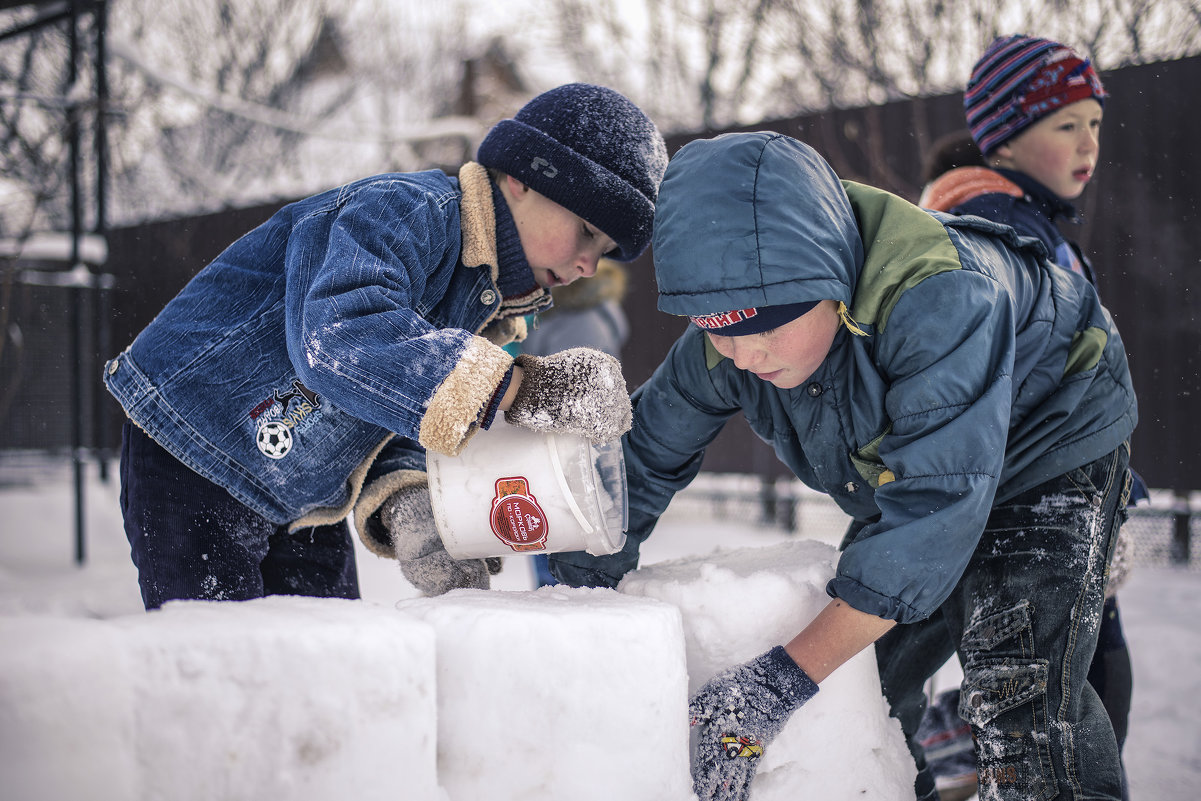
[{"x": 39, "y": 579}]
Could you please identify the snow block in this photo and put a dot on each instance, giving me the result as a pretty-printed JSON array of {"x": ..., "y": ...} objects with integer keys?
[
  {"x": 283, "y": 697},
  {"x": 736, "y": 604},
  {"x": 66, "y": 711},
  {"x": 515, "y": 668}
]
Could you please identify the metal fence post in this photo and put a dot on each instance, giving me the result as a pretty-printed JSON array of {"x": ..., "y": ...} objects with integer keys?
[
  {"x": 767, "y": 499},
  {"x": 788, "y": 508},
  {"x": 1181, "y": 541}
]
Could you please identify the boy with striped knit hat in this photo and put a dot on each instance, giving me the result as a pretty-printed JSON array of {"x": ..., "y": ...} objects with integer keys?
[{"x": 1034, "y": 109}]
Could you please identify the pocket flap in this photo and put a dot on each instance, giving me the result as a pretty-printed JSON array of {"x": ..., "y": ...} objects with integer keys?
[
  {"x": 992, "y": 687},
  {"x": 989, "y": 632}
]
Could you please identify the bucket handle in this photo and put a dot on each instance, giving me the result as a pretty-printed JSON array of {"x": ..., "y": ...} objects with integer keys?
[{"x": 567, "y": 493}]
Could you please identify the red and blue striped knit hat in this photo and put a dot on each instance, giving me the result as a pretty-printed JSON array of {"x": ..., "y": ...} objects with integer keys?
[{"x": 1021, "y": 79}]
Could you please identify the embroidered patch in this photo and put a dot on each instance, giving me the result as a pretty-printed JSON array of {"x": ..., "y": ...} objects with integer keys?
[
  {"x": 309, "y": 401},
  {"x": 257, "y": 411},
  {"x": 712, "y": 322},
  {"x": 298, "y": 390},
  {"x": 745, "y": 747},
  {"x": 274, "y": 439}
]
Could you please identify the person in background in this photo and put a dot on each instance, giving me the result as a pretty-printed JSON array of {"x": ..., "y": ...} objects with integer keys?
[
  {"x": 585, "y": 315},
  {"x": 301, "y": 377},
  {"x": 1034, "y": 108},
  {"x": 966, "y": 402}
]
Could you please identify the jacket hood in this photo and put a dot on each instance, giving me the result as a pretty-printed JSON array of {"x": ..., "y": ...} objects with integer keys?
[{"x": 752, "y": 219}]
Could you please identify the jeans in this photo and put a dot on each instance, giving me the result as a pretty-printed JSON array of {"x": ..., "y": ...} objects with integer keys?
[
  {"x": 191, "y": 539},
  {"x": 1024, "y": 619}
]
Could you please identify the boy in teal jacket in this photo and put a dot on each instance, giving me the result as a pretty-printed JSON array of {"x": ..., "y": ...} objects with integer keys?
[{"x": 966, "y": 402}]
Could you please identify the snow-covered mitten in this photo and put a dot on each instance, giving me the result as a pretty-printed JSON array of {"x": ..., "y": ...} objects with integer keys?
[
  {"x": 409, "y": 519},
  {"x": 739, "y": 711},
  {"x": 575, "y": 391}
]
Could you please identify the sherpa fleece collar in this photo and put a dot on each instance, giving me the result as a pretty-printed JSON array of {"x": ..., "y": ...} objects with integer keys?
[{"x": 478, "y": 226}]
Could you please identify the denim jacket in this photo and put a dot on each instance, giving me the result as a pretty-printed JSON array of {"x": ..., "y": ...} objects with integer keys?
[{"x": 287, "y": 365}]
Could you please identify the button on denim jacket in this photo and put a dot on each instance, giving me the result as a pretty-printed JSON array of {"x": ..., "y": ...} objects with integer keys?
[{"x": 284, "y": 368}]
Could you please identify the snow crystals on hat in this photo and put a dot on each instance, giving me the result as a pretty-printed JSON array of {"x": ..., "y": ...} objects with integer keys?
[{"x": 592, "y": 151}]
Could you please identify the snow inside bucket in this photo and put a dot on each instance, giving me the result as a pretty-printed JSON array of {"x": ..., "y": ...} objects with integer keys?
[{"x": 513, "y": 490}]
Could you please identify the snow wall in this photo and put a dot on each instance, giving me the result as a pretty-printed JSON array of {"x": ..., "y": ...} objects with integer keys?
[{"x": 547, "y": 694}]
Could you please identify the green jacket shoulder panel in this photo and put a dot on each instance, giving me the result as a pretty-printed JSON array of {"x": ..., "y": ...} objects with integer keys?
[{"x": 903, "y": 246}]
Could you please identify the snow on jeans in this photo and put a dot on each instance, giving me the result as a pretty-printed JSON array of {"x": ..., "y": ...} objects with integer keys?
[{"x": 1024, "y": 620}]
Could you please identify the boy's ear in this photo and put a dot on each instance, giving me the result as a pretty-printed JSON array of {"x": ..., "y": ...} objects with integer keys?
[
  {"x": 515, "y": 186},
  {"x": 1003, "y": 152}
]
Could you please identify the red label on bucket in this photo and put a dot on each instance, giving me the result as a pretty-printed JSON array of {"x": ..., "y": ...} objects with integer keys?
[{"x": 517, "y": 519}]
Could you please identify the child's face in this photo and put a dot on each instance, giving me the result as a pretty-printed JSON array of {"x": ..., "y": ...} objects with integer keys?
[
  {"x": 559, "y": 246},
  {"x": 788, "y": 355},
  {"x": 1060, "y": 150}
]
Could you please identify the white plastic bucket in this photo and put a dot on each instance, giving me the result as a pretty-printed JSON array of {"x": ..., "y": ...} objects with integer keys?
[{"x": 513, "y": 490}]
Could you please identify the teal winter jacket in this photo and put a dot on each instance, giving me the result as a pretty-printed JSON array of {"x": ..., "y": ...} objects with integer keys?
[{"x": 968, "y": 370}]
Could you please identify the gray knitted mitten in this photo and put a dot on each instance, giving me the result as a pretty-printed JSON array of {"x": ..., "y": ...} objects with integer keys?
[{"x": 409, "y": 519}]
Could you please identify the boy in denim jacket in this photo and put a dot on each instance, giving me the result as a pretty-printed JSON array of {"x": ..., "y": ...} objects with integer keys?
[{"x": 300, "y": 377}]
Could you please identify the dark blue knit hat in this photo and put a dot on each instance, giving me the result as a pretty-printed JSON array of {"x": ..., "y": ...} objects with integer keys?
[{"x": 590, "y": 150}]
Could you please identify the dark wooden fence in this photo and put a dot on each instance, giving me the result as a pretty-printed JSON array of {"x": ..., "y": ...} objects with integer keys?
[{"x": 1142, "y": 228}]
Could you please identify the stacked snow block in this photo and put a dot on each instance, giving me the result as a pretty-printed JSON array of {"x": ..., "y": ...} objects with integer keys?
[
  {"x": 66, "y": 710},
  {"x": 736, "y": 604},
  {"x": 293, "y": 698},
  {"x": 516, "y": 668}
]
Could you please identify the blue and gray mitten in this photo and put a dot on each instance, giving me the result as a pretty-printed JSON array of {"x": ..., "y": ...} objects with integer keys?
[{"x": 739, "y": 711}]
